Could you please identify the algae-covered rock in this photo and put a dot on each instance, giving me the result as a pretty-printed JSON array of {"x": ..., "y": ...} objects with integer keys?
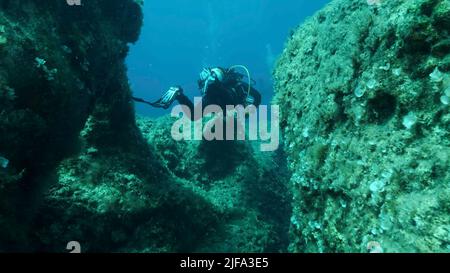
[
  {"x": 359, "y": 88},
  {"x": 76, "y": 167},
  {"x": 58, "y": 65},
  {"x": 246, "y": 188}
]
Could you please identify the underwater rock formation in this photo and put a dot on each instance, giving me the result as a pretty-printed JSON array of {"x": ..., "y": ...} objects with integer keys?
[
  {"x": 59, "y": 65},
  {"x": 247, "y": 188},
  {"x": 362, "y": 86},
  {"x": 74, "y": 165}
]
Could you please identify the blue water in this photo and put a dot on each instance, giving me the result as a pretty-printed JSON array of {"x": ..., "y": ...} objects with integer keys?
[{"x": 180, "y": 37}]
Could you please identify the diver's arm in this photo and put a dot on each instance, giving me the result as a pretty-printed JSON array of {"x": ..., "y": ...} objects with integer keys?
[
  {"x": 142, "y": 101},
  {"x": 166, "y": 100},
  {"x": 184, "y": 100}
]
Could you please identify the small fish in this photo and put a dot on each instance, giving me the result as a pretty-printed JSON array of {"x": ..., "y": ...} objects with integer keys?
[{"x": 4, "y": 162}]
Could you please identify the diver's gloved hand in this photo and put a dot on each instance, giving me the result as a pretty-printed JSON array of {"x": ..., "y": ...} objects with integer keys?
[
  {"x": 167, "y": 99},
  {"x": 209, "y": 76}
]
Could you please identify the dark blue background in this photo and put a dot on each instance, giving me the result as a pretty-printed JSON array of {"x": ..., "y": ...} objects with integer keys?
[{"x": 180, "y": 37}]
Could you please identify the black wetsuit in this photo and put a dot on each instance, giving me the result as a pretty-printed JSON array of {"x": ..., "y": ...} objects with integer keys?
[{"x": 232, "y": 91}]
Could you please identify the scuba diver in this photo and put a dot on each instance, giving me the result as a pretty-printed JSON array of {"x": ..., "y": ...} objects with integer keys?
[{"x": 218, "y": 86}]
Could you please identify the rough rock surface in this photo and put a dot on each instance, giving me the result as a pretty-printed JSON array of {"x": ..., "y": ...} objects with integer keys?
[
  {"x": 80, "y": 169},
  {"x": 52, "y": 57},
  {"x": 247, "y": 189},
  {"x": 362, "y": 92}
]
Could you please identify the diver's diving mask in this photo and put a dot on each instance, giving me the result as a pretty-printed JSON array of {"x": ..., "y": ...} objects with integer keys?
[
  {"x": 212, "y": 74},
  {"x": 209, "y": 76}
]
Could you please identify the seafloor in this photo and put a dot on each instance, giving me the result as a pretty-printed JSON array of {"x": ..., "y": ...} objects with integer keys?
[{"x": 363, "y": 87}]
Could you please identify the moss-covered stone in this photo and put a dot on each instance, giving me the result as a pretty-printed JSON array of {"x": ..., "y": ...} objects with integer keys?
[
  {"x": 80, "y": 169},
  {"x": 348, "y": 81},
  {"x": 238, "y": 202},
  {"x": 246, "y": 188},
  {"x": 58, "y": 65}
]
